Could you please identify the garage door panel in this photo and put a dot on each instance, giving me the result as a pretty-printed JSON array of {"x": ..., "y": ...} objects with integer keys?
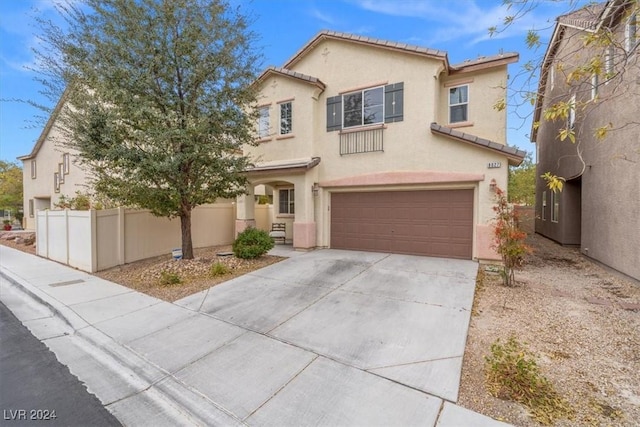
[{"x": 433, "y": 223}]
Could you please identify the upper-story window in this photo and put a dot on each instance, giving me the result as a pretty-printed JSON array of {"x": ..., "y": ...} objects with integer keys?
[
  {"x": 608, "y": 63},
  {"x": 364, "y": 107},
  {"x": 383, "y": 104},
  {"x": 66, "y": 163},
  {"x": 632, "y": 32},
  {"x": 459, "y": 104},
  {"x": 34, "y": 170},
  {"x": 263, "y": 122},
  {"x": 286, "y": 118},
  {"x": 571, "y": 117},
  {"x": 56, "y": 182}
]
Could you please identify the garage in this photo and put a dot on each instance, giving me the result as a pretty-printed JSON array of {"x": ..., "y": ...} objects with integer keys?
[{"x": 432, "y": 223}]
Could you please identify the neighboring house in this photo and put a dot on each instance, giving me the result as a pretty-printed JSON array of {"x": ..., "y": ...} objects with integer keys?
[
  {"x": 381, "y": 146},
  {"x": 599, "y": 207},
  {"x": 49, "y": 171}
]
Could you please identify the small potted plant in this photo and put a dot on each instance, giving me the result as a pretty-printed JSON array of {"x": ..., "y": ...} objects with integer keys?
[{"x": 7, "y": 225}]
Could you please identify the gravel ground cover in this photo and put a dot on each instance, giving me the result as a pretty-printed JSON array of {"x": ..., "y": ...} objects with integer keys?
[{"x": 580, "y": 320}]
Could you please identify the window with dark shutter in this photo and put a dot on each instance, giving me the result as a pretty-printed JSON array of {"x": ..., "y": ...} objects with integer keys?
[
  {"x": 366, "y": 107},
  {"x": 334, "y": 113},
  {"x": 394, "y": 103}
]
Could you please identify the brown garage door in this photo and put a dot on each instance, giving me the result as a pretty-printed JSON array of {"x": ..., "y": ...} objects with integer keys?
[{"x": 433, "y": 223}]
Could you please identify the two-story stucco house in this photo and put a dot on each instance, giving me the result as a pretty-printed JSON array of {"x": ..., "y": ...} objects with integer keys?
[
  {"x": 599, "y": 206},
  {"x": 49, "y": 171},
  {"x": 381, "y": 146}
]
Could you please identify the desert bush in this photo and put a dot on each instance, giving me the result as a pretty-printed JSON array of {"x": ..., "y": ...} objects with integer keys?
[
  {"x": 252, "y": 243},
  {"x": 218, "y": 269},
  {"x": 513, "y": 374},
  {"x": 169, "y": 278}
]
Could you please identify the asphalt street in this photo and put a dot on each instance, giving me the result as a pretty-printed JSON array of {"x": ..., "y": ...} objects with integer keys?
[{"x": 36, "y": 389}]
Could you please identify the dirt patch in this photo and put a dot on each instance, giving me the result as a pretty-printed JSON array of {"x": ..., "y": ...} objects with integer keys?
[
  {"x": 144, "y": 276},
  {"x": 21, "y": 240},
  {"x": 195, "y": 275},
  {"x": 581, "y": 323}
]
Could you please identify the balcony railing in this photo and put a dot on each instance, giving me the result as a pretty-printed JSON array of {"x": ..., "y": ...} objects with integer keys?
[{"x": 362, "y": 141}]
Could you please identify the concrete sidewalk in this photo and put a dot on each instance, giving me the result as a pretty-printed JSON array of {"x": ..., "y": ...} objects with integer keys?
[{"x": 155, "y": 363}]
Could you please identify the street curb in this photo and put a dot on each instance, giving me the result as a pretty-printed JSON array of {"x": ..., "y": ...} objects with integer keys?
[{"x": 180, "y": 403}]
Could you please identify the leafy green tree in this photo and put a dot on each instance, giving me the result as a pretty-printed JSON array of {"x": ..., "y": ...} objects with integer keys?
[
  {"x": 158, "y": 99},
  {"x": 522, "y": 182},
  {"x": 10, "y": 186}
]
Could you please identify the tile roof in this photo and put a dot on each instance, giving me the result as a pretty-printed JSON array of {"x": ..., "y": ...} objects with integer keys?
[
  {"x": 294, "y": 74},
  {"x": 514, "y": 154},
  {"x": 507, "y": 57},
  {"x": 435, "y": 53},
  {"x": 586, "y": 17},
  {"x": 279, "y": 165}
]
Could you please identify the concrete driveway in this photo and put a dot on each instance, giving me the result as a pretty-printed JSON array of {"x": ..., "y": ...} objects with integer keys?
[
  {"x": 323, "y": 338},
  {"x": 337, "y": 317}
]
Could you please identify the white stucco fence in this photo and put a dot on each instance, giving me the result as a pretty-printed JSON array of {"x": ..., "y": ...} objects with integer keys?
[{"x": 97, "y": 240}]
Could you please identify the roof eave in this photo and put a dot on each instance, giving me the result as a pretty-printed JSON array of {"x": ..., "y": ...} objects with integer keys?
[
  {"x": 498, "y": 62},
  {"x": 272, "y": 70},
  {"x": 382, "y": 44},
  {"x": 47, "y": 128},
  {"x": 514, "y": 158}
]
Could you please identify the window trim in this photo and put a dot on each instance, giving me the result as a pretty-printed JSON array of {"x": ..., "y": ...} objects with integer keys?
[
  {"x": 631, "y": 32},
  {"x": 264, "y": 133},
  {"x": 66, "y": 163},
  {"x": 362, "y": 91},
  {"x": 61, "y": 172},
  {"x": 280, "y": 131},
  {"x": 290, "y": 202},
  {"x": 34, "y": 169},
  {"x": 544, "y": 206},
  {"x": 555, "y": 207},
  {"x": 56, "y": 182},
  {"x": 571, "y": 117},
  {"x": 608, "y": 63},
  {"x": 466, "y": 119},
  {"x": 31, "y": 208}
]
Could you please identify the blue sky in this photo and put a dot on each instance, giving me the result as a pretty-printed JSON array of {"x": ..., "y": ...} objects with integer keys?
[{"x": 459, "y": 27}]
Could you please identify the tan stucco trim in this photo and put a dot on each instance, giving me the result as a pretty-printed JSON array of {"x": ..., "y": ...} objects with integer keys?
[
  {"x": 459, "y": 82},
  {"x": 286, "y": 100},
  {"x": 361, "y": 128},
  {"x": 363, "y": 87},
  {"x": 402, "y": 178}
]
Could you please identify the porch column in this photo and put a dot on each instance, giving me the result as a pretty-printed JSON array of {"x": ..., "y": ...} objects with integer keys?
[
  {"x": 304, "y": 225},
  {"x": 245, "y": 213}
]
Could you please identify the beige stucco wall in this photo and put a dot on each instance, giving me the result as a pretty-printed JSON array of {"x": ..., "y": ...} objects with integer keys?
[
  {"x": 409, "y": 145},
  {"x": 42, "y": 188},
  {"x": 485, "y": 89}
]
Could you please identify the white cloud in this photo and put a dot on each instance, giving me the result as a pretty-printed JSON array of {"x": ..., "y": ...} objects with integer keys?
[
  {"x": 468, "y": 20},
  {"x": 323, "y": 17}
]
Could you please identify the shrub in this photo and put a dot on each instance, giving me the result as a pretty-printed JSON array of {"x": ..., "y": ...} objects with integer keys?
[
  {"x": 513, "y": 374},
  {"x": 219, "y": 269},
  {"x": 252, "y": 243},
  {"x": 169, "y": 278},
  {"x": 508, "y": 238}
]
